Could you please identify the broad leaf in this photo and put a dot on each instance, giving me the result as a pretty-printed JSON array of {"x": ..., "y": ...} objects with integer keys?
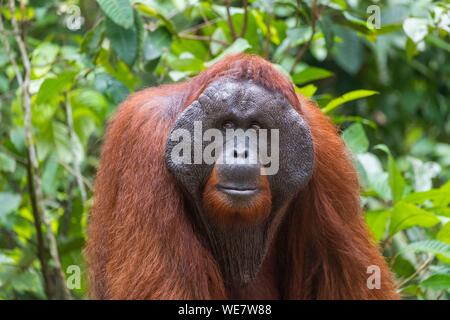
[
  {"x": 396, "y": 181},
  {"x": 9, "y": 202},
  {"x": 349, "y": 96},
  {"x": 151, "y": 12},
  {"x": 349, "y": 51},
  {"x": 355, "y": 138},
  {"x": 439, "y": 197},
  {"x": 119, "y": 11},
  {"x": 156, "y": 43},
  {"x": 52, "y": 87},
  {"x": 444, "y": 234},
  {"x": 430, "y": 246},
  {"x": 240, "y": 45},
  {"x": 406, "y": 215},
  {"x": 437, "y": 282},
  {"x": 372, "y": 174},
  {"x": 308, "y": 90},
  {"x": 123, "y": 41},
  {"x": 7, "y": 163},
  {"x": 377, "y": 222},
  {"x": 42, "y": 59},
  {"x": 311, "y": 74}
]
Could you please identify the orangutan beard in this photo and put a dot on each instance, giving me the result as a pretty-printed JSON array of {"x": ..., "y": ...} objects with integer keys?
[
  {"x": 236, "y": 231},
  {"x": 239, "y": 251}
]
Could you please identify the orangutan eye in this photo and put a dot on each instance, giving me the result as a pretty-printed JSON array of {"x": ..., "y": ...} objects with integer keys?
[
  {"x": 255, "y": 126},
  {"x": 228, "y": 125}
]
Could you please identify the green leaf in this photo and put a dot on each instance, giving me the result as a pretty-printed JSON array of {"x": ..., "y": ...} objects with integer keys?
[
  {"x": 123, "y": 41},
  {"x": 73, "y": 244},
  {"x": 438, "y": 42},
  {"x": 308, "y": 90},
  {"x": 429, "y": 246},
  {"x": 372, "y": 174},
  {"x": 4, "y": 84},
  {"x": 352, "y": 22},
  {"x": 49, "y": 177},
  {"x": 355, "y": 138},
  {"x": 88, "y": 98},
  {"x": 93, "y": 39},
  {"x": 342, "y": 119},
  {"x": 403, "y": 267},
  {"x": 119, "y": 11},
  {"x": 410, "y": 49},
  {"x": 42, "y": 59},
  {"x": 326, "y": 26},
  {"x": 9, "y": 202},
  {"x": 156, "y": 43},
  {"x": 218, "y": 35},
  {"x": 437, "y": 282},
  {"x": 52, "y": 87},
  {"x": 23, "y": 281},
  {"x": 347, "y": 97},
  {"x": 377, "y": 222},
  {"x": 444, "y": 234},
  {"x": 396, "y": 181},
  {"x": 7, "y": 163},
  {"x": 440, "y": 197},
  {"x": 151, "y": 12},
  {"x": 239, "y": 45},
  {"x": 310, "y": 74},
  {"x": 186, "y": 62},
  {"x": 17, "y": 136},
  {"x": 116, "y": 76},
  {"x": 349, "y": 52},
  {"x": 406, "y": 215},
  {"x": 178, "y": 75},
  {"x": 298, "y": 36}
]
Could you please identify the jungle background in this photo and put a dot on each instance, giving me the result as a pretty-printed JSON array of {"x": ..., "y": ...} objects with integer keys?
[{"x": 379, "y": 69}]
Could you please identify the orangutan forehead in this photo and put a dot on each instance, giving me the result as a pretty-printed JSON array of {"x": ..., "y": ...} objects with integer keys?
[{"x": 239, "y": 91}]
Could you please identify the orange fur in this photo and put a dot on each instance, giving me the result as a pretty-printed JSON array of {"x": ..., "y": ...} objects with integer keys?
[
  {"x": 142, "y": 245},
  {"x": 219, "y": 208}
]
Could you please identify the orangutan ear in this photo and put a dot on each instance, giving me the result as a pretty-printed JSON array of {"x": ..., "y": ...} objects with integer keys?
[{"x": 328, "y": 245}]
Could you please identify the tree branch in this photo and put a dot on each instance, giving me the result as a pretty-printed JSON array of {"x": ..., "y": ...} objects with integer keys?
[
  {"x": 86, "y": 182},
  {"x": 199, "y": 26},
  {"x": 201, "y": 38},
  {"x": 76, "y": 160},
  {"x": 266, "y": 48},
  {"x": 315, "y": 11},
  {"x": 244, "y": 23},
  {"x": 422, "y": 267},
  {"x": 230, "y": 21},
  {"x": 54, "y": 283}
]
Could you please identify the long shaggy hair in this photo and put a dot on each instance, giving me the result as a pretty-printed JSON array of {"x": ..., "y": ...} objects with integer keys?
[{"x": 141, "y": 242}]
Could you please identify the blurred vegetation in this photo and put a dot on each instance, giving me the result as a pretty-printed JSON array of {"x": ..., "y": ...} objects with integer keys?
[{"x": 66, "y": 65}]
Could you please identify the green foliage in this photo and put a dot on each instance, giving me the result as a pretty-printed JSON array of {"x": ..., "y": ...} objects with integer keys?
[
  {"x": 356, "y": 139},
  {"x": 309, "y": 74},
  {"x": 349, "y": 96},
  {"x": 387, "y": 89},
  {"x": 119, "y": 11},
  {"x": 430, "y": 246},
  {"x": 123, "y": 41}
]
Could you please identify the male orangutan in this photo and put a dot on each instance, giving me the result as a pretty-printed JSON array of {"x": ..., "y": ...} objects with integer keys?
[{"x": 163, "y": 228}]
